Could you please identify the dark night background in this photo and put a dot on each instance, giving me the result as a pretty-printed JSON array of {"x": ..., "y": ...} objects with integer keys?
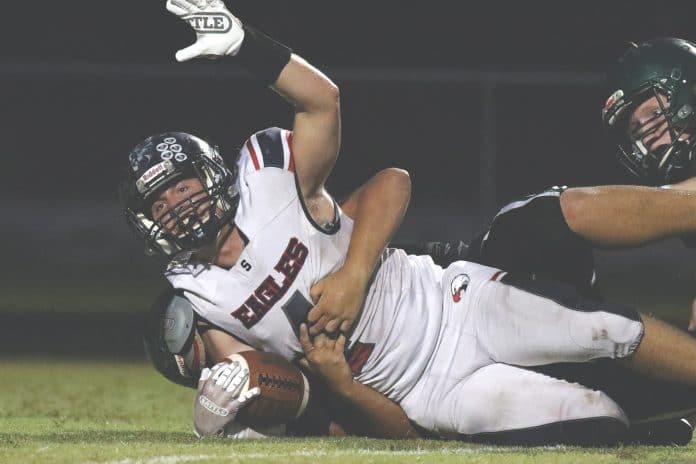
[{"x": 480, "y": 101}]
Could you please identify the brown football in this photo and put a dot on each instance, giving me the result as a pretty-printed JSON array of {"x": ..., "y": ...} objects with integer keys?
[{"x": 284, "y": 389}]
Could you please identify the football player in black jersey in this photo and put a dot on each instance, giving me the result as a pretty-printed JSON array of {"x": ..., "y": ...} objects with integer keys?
[{"x": 552, "y": 234}]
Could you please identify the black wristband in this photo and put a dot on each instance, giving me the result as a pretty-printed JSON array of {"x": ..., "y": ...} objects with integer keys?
[{"x": 262, "y": 56}]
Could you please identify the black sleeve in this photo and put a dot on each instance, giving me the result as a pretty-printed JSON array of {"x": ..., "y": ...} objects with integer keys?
[{"x": 531, "y": 236}]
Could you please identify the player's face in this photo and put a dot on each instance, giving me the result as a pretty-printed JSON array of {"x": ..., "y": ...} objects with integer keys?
[
  {"x": 185, "y": 197},
  {"x": 648, "y": 126}
]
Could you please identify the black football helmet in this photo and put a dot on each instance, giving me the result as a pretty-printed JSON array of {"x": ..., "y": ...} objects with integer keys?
[
  {"x": 155, "y": 164},
  {"x": 171, "y": 339},
  {"x": 664, "y": 67}
]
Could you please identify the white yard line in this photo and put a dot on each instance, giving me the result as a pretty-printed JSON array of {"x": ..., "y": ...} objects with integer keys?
[
  {"x": 319, "y": 453},
  {"x": 161, "y": 459}
]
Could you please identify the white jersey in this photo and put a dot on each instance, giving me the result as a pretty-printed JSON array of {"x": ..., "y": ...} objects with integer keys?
[
  {"x": 444, "y": 344},
  {"x": 264, "y": 297}
]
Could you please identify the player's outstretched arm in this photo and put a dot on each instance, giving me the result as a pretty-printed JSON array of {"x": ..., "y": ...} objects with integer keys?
[
  {"x": 316, "y": 136},
  {"x": 377, "y": 208},
  {"x": 378, "y": 416},
  {"x": 317, "y": 125},
  {"x": 625, "y": 216}
]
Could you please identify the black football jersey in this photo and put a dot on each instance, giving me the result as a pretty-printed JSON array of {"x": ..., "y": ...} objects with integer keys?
[{"x": 531, "y": 236}]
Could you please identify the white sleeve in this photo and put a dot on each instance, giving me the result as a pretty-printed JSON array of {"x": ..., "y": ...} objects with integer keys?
[
  {"x": 269, "y": 148},
  {"x": 266, "y": 181}
]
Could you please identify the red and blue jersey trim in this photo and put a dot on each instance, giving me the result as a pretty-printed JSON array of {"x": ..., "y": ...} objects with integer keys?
[{"x": 271, "y": 148}]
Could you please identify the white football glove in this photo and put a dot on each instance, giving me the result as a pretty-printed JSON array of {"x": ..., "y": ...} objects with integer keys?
[
  {"x": 235, "y": 431},
  {"x": 218, "y": 31},
  {"x": 220, "y": 398}
]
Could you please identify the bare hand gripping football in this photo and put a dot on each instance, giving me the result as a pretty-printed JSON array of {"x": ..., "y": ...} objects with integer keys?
[{"x": 218, "y": 31}]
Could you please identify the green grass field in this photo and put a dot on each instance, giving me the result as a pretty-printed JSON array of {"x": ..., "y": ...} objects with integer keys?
[{"x": 123, "y": 412}]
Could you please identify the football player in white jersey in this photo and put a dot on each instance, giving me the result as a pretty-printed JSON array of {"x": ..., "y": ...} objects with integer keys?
[
  {"x": 257, "y": 242},
  {"x": 182, "y": 197}
]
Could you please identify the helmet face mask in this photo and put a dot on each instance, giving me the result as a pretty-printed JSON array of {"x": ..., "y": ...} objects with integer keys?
[
  {"x": 660, "y": 74},
  {"x": 662, "y": 163},
  {"x": 194, "y": 221}
]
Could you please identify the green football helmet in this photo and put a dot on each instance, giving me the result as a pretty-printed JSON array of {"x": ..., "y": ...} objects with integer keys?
[{"x": 663, "y": 68}]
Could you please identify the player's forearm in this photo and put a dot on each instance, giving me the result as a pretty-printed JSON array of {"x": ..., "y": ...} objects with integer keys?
[
  {"x": 300, "y": 83},
  {"x": 317, "y": 125},
  {"x": 374, "y": 414},
  {"x": 623, "y": 216},
  {"x": 377, "y": 211},
  {"x": 219, "y": 345}
]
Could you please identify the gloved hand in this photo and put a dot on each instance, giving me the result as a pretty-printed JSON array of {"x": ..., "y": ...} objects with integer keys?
[
  {"x": 218, "y": 31},
  {"x": 220, "y": 398}
]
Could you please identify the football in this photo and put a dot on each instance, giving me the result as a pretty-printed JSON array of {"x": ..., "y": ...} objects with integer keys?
[{"x": 284, "y": 389}]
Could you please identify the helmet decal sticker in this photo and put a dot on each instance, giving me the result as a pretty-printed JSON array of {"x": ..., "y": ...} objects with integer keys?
[
  {"x": 169, "y": 149},
  {"x": 613, "y": 99},
  {"x": 153, "y": 175},
  {"x": 139, "y": 160}
]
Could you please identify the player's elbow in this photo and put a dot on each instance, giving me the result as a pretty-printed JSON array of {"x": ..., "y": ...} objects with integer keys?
[
  {"x": 329, "y": 97},
  {"x": 397, "y": 183},
  {"x": 334, "y": 99},
  {"x": 576, "y": 206},
  {"x": 399, "y": 179},
  {"x": 404, "y": 179},
  {"x": 333, "y": 94}
]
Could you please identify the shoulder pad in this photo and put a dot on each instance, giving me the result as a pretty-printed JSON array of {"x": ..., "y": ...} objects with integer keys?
[{"x": 269, "y": 148}]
